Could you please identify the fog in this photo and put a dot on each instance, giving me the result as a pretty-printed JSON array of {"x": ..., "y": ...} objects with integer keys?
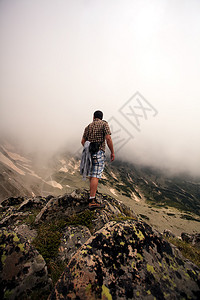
[{"x": 62, "y": 60}]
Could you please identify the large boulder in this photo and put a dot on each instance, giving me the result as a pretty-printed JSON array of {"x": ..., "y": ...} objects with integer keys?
[
  {"x": 15, "y": 209},
  {"x": 168, "y": 233},
  {"x": 194, "y": 239},
  {"x": 27, "y": 233},
  {"x": 73, "y": 238},
  {"x": 23, "y": 271},
  {"x": 128, "y": 260},
  {"x": 63, "y": 206}
]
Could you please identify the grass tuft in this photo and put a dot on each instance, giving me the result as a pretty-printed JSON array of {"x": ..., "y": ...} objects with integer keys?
[
  {"x": 188, "y": 251},
  {"x": 85, "y": 219},
  {"x": 49, "y": 236}
]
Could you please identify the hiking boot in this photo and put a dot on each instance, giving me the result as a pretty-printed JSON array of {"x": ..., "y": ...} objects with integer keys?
[
  {"x": 90, "y": 200},
  {"x": 96, "y": 205}
]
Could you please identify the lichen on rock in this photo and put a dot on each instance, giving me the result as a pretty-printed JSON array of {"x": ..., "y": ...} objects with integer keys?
[
  {"x": 125, "y": 260},
  {"x": 22, "y": 269},
  {"x": 106, "y": 254}
]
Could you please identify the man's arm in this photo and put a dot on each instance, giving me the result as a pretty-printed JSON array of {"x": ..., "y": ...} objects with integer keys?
[
  {"x": 83, "y": 141},
  {"x": 85, "y": 135},
  {"x": 110, "y": 146}
]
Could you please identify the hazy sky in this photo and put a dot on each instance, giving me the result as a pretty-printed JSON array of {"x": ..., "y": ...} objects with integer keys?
[{"x": 61, "y": 60}]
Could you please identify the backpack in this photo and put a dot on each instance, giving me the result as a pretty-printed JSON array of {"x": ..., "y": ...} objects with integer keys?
[{"x": 95, "y": 146}]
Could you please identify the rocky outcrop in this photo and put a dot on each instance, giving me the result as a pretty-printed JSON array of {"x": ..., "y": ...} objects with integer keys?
[
  {"x": 27, "y": 233},
  {"x": 17, "y": 208},
  {"x": 106, "y": 253},
  {"x": 77, "y": 202},
  {"x": 128, "y": 260},
  {"x": 168, "y": 233},
  {"x": 73, "y": 238},
  {"x": 23, "y": 271},
  {"x": 194, "y": 239}
]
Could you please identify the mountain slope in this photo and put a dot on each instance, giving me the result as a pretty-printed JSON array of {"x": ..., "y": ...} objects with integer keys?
[
  {"x": 157, "y": 188},
  {"x": 166, "y": 202}
]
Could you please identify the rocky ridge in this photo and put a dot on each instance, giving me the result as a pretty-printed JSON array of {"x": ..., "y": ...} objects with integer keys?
[{"x": 105, "y": 254}]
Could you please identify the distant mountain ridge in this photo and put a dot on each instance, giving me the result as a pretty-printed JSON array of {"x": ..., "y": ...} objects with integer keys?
[
  {"x": 146, "y": 190},
  {"x": 157, "y": 188}
]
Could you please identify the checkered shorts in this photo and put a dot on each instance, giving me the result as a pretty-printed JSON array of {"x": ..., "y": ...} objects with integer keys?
[{"x": 98, "y": 161}]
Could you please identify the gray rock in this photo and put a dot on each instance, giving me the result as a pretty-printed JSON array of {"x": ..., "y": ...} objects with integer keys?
[
  {"x": 112, "y": 208},
  {"x": 26, "y": 232},
  {"x": 32, "y": 202},
  {"x": 12, "y": 218},
  {"x": 122, "y": 260},
  {"x": 44, "y": 211},
  {"x": 101, "y": 218},
  {"x": 23, "y": 270},
  {"x": 12, "y": 201},
  {"x": 128, "y": 260},
  {"x": 168, "y": 233},
  {"x": 194, "y": 239},
  {"x": 72, "y": 239},
  {"x": 77, "y": 202},
  {"x": 63, "y": 206}
]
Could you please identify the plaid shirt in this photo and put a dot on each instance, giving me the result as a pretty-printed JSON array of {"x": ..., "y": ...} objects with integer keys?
[{"x": 96, "y": 132}]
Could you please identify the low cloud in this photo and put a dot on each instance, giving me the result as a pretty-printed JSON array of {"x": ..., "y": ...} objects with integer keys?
[{"x": 73, "y": 59}]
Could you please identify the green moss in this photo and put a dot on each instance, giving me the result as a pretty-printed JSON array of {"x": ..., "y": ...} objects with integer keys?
[
  {"x": 149, "y": 292},
  {"x": 48, "y": 239},
  {"x": 56, "y": 269},
  {"x": 3, "y": 258},
  {"x": 187, "y": 275},
  {"x": 139, "y": 256},
  {"x": 85, "y": 219},
  {"x": 8, "y": 294},
  {"x": 150, "y": 269},
  {"x": 138, "y": 233},
  {"x": 49, "y": 236},
  {"x": 173, "y": 265},
  {"x": 5, "y": 232},
  {"x": 21, "y": 247},
  {"x": 120, "y": 217},
  {"x": 84, "y": 251},
  {"x": 30, "y": 219},
  {"x": 133, "y": 265},
  {"x": 105, "y": 294},
  {"x": 88, "y": 287},
  {"x": 16, "y": 239},
  {"x": 166, "y": 295}
]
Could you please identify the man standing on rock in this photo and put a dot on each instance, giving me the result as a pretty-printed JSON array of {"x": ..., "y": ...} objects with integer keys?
[{"x": 96, "y": 133}]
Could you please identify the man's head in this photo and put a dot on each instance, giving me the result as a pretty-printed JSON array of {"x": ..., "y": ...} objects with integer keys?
[{"x": 98, "y": 114}]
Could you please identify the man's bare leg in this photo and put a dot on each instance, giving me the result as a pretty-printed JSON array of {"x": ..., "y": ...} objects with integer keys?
[{"x": 93, "y": 187}]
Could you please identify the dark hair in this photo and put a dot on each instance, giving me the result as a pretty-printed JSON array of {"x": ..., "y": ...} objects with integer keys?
[{"x": 98, "y": 114}]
